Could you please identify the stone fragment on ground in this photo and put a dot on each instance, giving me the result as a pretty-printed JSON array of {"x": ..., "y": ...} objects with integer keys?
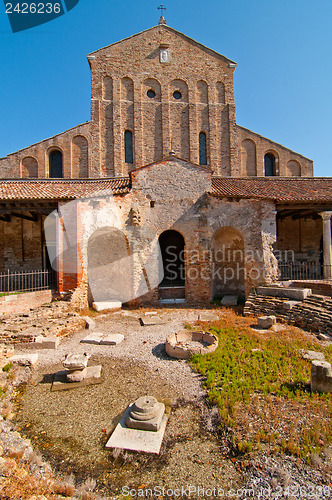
[
  {"x": 288, "y": 306},
  {"x": 77, "y": 375},
  {"x": 112, "y": 339},
  {"x": 90, "y": 323},
  {"x": 76, "y": 361},
  {"x": 92, "y": 376},
  {"x": 208, "y": 316},
  {"x": 93, "y": 338},
  {"x": 266, "y": 322},
  {"x": 107, "y": 305},
  {"x": 278, "y": 327},
  {"x": 321, "y": 376},
  {"x": 103, "y": 339},
  {"x": 311, "y": 355},
  {"x": 151, "y": 320},
  {"x": 229, "y": 300},
  {"x": 325, "y": 337},
  {"x": 24, "y": 359}
]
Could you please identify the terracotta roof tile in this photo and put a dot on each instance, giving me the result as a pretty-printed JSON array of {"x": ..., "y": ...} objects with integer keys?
[
  {"x": 278, "y": 189},
  {"x": 60, "y": 189}
]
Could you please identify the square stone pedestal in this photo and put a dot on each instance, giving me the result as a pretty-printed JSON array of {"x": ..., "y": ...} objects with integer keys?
[{"x": 137, "y": 440}]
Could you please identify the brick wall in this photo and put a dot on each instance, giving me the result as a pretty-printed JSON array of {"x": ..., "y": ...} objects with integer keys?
[{"x": 253, "y": 148}]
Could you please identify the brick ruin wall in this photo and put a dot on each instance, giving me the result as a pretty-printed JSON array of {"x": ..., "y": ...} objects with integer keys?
[{"x": 313, "y": 314}]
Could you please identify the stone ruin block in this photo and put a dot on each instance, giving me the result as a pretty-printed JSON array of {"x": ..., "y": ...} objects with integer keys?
[
  {"x": 321, "y": 376},
  {"x": 266, "y": 322}
]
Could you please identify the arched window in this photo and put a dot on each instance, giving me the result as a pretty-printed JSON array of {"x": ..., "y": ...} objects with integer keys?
[
  {"x": 269, "y": 165},
  {"x": 128, "y": 142},
  {"x": 55, "y": 164},
  {"x": 202, "y": 149}
]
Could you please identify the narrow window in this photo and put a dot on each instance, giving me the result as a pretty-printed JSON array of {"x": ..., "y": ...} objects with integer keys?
[
  {"x": 202, "y": 149},
  {"x": 128, "y": 139},
  {"x": 269, "y": 165},
  {"x": 55, "y": 164}
]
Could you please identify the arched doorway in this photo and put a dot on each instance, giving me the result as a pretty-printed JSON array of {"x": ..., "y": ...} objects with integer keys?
[
  {"x": 172, "y": 285},
  {"x": 109, "y": 272},
  {"x": 228, "y": 262}
]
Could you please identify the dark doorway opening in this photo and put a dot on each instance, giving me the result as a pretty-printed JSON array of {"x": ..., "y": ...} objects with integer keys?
[{"x": 172, "y": 251}]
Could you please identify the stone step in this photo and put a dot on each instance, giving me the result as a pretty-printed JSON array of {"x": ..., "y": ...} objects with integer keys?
[{"x": 105, "y": 306}]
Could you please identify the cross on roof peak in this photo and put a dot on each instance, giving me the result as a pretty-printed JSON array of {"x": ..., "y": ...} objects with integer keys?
[{"x": 162, "y": 9}]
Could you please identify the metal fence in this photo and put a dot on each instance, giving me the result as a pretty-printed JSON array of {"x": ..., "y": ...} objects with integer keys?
[
  {"x": 27, "y": 281},
  {"x": 301, "y": 271}
]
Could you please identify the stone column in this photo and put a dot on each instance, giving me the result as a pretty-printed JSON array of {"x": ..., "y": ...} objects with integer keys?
[{"x": 327, "y": 251}]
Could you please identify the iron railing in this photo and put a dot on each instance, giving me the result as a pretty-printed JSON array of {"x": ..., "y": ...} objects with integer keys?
[
  {"x": 27, "y": 281},
  {"x": 295, "y": 270}
]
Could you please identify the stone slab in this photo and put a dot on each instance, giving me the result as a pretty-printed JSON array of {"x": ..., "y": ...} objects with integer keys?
[
  {"x": 288, "y": 306},
  {"x": 288, "y": 292},
  {"x": 89, "y": 323},
  {"x": 151, "y": 313},
  {"x": 229, "y": 300},
  {"x": 60, "y": 382},
  {"x": 208, "y": 316},
  {"x": 24, "y": 359},
  {"x": 152, "y": 320},
  {"x": 47, "y": 342},
  {"x": 278, "y": 327},
  {"x": 105, "y": 306},
  {"x": 136, "y": 440},
  {"x": 311, "y": 355},
  {"x": 112, "y": 339},
  {"x": 325, "y": 337},
  {"x": 93, "y": 338}
]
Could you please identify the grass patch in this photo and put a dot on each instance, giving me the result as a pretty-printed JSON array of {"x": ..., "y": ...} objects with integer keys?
[
  {"x": 260, "y": 385},
  {"x": 7, "y": 367}
]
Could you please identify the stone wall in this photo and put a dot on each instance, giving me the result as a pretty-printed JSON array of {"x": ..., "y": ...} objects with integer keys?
[
  {"x": 171, "y": 194},
  {"x": 313, "y": 313},
  {"x": 253, "y": 148}
]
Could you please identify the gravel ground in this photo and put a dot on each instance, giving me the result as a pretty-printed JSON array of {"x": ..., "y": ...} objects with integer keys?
[{"x": 70, "y": 428}]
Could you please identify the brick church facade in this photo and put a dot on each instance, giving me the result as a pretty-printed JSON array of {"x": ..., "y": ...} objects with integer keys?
[{"x": 163, "y": 161}]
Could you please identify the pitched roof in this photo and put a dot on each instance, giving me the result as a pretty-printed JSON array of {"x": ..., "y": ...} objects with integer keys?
[
  {"x": 313, "y": 189},
  {"x": 26, "y": 189},
  {"x": 172, "y": 30}
]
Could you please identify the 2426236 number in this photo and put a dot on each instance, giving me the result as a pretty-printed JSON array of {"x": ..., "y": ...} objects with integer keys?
[{"x": 33, "y": 8}]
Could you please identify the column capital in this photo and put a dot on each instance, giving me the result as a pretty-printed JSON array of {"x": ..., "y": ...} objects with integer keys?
[{"x": 325, "y": 215}]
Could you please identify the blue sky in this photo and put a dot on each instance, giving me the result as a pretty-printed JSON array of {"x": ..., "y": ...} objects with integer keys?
[{"x": 283, "y": 82}]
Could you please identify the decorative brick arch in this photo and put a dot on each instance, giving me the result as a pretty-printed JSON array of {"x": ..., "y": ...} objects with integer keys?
[
  {"x": 220, "y": 92},
  {"x": 202, "y": 94},
  {"x": 293, "y": 168},
  {"x": 153, "y": 85},
  {"x": 179, "y": 118},
  {"x": 79, "y": 157},
  {"x": 248, "y": 158},
  {"x": 29, "y": 167},
  {"x": 107, "y": 88},
  {"x": 127, "y": 89}
]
